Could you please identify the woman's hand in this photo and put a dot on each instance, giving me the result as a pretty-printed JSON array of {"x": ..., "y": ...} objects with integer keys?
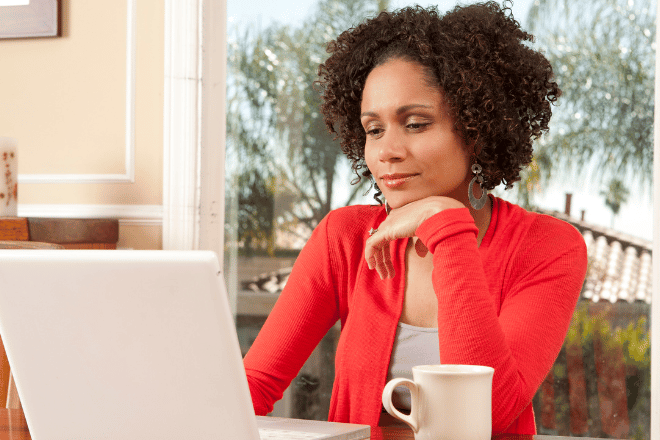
[{"x": 401, "y": 223}]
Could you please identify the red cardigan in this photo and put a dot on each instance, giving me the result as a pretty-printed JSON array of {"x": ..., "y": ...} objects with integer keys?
[{"x": 506, "y": 304}]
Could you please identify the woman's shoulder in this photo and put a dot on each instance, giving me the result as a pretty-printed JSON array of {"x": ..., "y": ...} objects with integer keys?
[
  {"x": 534, "y": 226},
  {"x": 356, "y": 216},
  {"x": 343, "y": 231},
  {"x": 350, "y": 222},
  {"x": 533, "y": 241}
]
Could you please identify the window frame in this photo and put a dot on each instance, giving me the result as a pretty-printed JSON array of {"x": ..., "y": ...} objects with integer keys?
[
  {"x": 655, "y": 301},
  {"x": 194, "y": 145}
]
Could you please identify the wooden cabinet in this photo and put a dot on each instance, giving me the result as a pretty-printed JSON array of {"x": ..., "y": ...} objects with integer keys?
[{"x": 85, "y": 233}]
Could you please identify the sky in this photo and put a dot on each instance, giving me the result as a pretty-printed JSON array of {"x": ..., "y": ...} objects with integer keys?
[
  {"x": 295, "y": 11},
  {"x": 635, "y": 217}
]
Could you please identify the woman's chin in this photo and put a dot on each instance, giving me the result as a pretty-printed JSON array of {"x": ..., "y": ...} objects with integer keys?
[
  {"x": 397, "y": 201},
  {"x": 394, "y": 202}
]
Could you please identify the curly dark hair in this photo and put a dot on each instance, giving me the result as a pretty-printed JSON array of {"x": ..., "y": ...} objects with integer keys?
[{"x": 498, "y": 89}]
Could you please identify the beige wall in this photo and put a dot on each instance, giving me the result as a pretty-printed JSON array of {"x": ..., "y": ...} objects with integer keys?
[{"x": 65, "y": 101}]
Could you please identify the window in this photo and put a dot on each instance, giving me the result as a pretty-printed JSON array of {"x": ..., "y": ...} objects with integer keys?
[{"x": 284, "y": 174}]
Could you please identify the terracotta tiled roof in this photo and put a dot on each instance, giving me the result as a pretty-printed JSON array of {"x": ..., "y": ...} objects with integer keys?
[{"x": 619, "y": 264}]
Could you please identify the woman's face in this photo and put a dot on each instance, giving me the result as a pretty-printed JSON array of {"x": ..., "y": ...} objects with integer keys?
[{"x": 412, "y": 149}]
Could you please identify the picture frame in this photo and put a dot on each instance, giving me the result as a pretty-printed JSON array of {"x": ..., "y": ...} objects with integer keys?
[{"x": 30, "y": 19}]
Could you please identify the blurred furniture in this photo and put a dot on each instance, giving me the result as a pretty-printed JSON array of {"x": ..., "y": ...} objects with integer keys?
[
  {"x": 87, "y": 233},
  {"x": 9, "y": 244},
  {"x": 49, "y": 233}
]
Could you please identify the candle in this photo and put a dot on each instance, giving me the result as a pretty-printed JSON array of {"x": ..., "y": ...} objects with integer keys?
[{"x": 9, "y": 180}]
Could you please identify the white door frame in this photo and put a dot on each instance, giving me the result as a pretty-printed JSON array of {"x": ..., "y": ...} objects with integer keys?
[
  {"x": 194, "y": 124},
  {"x": 655, "y": 303}
]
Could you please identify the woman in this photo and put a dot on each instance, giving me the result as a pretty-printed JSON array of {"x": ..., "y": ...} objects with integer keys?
[{"x": 436, "y": 111}]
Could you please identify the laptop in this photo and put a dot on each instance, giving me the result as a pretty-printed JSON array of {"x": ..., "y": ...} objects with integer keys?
[{"x": 118, "y": 344}]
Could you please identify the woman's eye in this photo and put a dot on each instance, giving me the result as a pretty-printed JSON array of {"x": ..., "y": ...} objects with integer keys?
[
  {"x": 417, "y": 125},
  {"x": 374, "y": 131}
]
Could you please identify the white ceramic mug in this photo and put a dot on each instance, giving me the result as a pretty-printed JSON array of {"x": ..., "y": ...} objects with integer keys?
[{"x": 448, "y": 402}]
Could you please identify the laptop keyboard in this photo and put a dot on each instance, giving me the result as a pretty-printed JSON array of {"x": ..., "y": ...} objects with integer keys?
[{"x": 284, "y": 434}]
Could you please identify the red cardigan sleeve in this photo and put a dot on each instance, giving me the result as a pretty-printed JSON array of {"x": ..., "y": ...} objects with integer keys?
[
  {"x": 520, "y": 334},
  {"x": 305, "y": 311}
]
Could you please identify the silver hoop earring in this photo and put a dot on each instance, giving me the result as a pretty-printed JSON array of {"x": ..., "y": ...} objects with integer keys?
[{"x": 477, "y": 203}]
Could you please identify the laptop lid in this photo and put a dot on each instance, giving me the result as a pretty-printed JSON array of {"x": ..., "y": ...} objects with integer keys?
[{"x": 123, "y": 345}]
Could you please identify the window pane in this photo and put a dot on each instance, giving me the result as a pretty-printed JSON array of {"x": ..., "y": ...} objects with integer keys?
[
  {"x": 284, "y": 173},
  {"x": 603, "y": 55}
]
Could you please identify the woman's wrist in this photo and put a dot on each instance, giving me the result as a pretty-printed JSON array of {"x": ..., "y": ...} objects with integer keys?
[{"x": 436, "y": 204}]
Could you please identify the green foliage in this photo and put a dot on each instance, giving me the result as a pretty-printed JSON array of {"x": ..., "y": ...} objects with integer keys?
[
  {"x": 636, "y": 343},
  {"x": 639, "y": 433},
  {"x": 603, "y": 56},
  {"x": 255, "y": 213},
  {"x": 532, "y": 180},
  {"x": 274, "y": 125},
  {"x": 634, "y": 339},
  {"x": 604, "y": 329}
]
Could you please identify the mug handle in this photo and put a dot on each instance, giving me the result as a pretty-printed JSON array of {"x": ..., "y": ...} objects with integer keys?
[{"x": 410, "y": 420}]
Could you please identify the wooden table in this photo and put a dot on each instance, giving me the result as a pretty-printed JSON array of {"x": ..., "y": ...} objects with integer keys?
[
  {"x": 397, "y": 433},
  {"x": 14, "y": 427}
]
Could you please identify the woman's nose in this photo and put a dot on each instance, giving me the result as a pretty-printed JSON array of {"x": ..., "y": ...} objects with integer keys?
[{"x": 392, "y": 147}]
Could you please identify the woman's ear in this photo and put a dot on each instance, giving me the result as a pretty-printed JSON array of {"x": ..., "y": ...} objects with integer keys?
[{"x": 474, "y": 146}]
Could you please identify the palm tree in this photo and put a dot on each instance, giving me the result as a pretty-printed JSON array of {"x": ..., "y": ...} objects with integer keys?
[
  {"x": 279, "y": 147},
  {"x": 602, "y": 53},
  {"x": 615, "y": 195}
]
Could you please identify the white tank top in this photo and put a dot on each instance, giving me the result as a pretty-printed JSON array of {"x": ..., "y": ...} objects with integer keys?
[{"x": 412, "y": 346}]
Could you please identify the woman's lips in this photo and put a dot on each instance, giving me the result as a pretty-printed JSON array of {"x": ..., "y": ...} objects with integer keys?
[{"x": 396, "y": 180}]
